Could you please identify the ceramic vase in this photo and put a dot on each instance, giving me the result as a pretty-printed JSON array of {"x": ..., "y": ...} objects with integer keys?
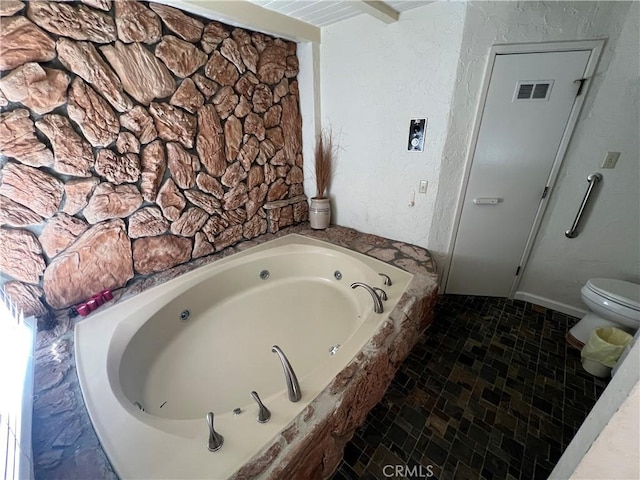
[{"x": 319, "y": 213}]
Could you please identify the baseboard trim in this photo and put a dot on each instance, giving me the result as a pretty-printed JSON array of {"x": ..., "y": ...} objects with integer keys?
[{"x": 552, "y": 304}]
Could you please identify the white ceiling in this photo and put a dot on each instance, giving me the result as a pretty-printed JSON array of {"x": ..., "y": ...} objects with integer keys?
[{"x": 325, "y": 12}]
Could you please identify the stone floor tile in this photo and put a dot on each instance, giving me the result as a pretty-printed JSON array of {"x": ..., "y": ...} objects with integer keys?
[{"x": 490, "y": 391}]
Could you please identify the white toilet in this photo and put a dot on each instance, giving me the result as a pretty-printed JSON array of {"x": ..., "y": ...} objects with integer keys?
[{"x": 611, "y": 303}]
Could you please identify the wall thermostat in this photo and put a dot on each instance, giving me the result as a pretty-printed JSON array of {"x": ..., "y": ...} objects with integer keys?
[{"x": 416, "y": 134}]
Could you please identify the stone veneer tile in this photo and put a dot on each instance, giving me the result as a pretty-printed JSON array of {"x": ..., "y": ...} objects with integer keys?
[
  {"x": 104, "y": 254},
  {"x": 140, "y": 76},
  {"x": 21, "y": 41}
]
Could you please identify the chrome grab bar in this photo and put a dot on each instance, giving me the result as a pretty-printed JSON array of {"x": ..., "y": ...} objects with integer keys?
[{"x": 593, "y": 179}]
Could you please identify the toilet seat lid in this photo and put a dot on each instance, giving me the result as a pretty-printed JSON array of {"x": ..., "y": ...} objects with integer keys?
[{"x": 618, "y": 291}]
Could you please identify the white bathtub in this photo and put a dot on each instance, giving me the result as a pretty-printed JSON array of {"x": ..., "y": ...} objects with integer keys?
[{"x": 141, "y": 351}]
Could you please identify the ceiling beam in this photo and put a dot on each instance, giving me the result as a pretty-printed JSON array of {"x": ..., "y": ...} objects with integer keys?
[
  {"x": 242, "y": 13},
  {"x": 379, "y": 10}
]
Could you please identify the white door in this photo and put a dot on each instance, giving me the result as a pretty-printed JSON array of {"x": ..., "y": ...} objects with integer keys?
[{"x": 528, "y": 104}]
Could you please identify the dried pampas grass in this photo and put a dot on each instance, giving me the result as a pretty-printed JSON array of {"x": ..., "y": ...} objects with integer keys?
[{"x": 324, "y": 156}]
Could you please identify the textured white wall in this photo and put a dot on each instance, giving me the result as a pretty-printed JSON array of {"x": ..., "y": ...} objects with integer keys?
[
  {"x": 489, "y": 23},
  {"x": 617, "y": 445},
  {"x": 309, "y": 83},
  {"x": 609, "y": 242},
  {"x": 374, "y": 79}
]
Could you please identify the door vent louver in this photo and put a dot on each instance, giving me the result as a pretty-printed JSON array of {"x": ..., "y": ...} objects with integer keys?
[
  {"x": 533, "y": 90},
  {"x": 524, "y": 92},
  {"x": 540, "y": 91}
]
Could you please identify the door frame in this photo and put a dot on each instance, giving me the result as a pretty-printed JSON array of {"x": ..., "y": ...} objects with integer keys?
[{"x": 595, "y": 46}]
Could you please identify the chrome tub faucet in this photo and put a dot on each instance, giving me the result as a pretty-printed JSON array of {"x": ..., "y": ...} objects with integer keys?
[
  {"x": 293, "y": 387},
  {"x": 381, "y": 293},
  {"x": 377, "y": 301},
  {"x": 387, "y": 279},
  {"x": 264, "y": 415},
  {"x": 215, "y": 439}
]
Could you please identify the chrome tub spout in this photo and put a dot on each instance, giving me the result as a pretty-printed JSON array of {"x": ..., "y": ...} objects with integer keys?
[
  {"x": 293, "y": 387},
  {"x": 377, "y": 301}
]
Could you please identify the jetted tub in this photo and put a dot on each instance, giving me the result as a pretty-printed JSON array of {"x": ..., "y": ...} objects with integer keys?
[{"x": 202, "y": 342}]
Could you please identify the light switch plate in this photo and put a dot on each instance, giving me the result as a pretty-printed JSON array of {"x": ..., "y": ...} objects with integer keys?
[{"x": 610, "y": 160}]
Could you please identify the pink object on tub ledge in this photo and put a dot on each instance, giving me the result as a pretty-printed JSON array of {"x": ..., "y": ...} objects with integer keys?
[
  {"x": 106, "y": 295},
  {"x": 83, "y": 309}
]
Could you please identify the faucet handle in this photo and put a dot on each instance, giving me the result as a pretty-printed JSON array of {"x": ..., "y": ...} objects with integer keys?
[
  {"x": 387, "y": 279},
  {"x": 215, "y": 439},
  {"x": 264, "y": 414},
  {"x": 381, "y": 293}
]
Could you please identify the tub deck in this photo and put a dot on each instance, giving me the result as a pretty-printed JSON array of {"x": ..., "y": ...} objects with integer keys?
[{"x": 65, "y": 445}]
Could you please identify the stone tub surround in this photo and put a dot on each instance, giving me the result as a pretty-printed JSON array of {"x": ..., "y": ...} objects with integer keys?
[
  {"x": 135, "y": 137},
  {"x": 65, "y": 445}
]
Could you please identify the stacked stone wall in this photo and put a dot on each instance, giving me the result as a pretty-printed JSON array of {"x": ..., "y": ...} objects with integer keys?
[{"x": 135, "y": 137}]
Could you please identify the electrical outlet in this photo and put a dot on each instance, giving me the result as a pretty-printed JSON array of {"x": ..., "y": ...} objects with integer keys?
[
  {"x": 423, "y": 186},
  {"x": 610, "y": 160}
]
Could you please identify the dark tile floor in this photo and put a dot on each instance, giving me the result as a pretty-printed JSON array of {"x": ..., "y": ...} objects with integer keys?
[{"x": 491, "y": 391}]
